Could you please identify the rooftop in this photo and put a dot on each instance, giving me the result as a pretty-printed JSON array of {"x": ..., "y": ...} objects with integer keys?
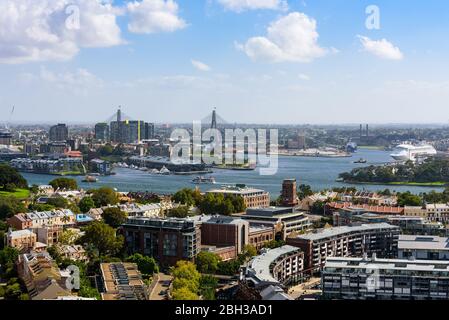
[
  {"x": 260, "y": 265},
  {"x": 336, "y": 231},
  {"x": 416, "y": 242},
  {"x": 388, "y": 264}
]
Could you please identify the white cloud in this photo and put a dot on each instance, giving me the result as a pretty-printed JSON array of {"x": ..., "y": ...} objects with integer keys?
[
  {"x": 80, "y": 81},
  {"x": 243, "y": 5},
  {"x": 38, "y": 30},
  {"x": 381, "y": 48},
  {"x": 200, "y": 65},
  {"x": 292, "y": 38},
  {"x": 150, "y": 16},
  {"x": 304, "y": 77}
]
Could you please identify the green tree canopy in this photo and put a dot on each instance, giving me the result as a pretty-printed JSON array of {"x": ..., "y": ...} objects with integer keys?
[
  {"x": 104, "y": 196},
  {"x": 10, "y": 206},
  {"x": 207, "y": 262},
  {"x": 98, "y": 235},
  {"x": 186, "y": 276},
  {"x": 208, "y": 287},
  {"x": 146, "y": 265},
  {"x": 86, "y": 204},
  {"x": 64, "y": 183},
  {"x": 11, "y": 179},
  {"x": 184, "y": 293},
  {"x": 58, "y": 202},
  {"x": 114, "y": 217},
  {"x": 179, "y": 212},
  {"x": 409, "y": 199}
]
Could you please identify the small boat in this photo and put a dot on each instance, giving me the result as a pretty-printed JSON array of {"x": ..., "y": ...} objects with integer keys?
[
  {"x": 154, "y": 171},
  {"x": 90, "y": 179},
  {"x": 361, "y": 160},
  {"x": 164, "y": 171},
  {"x": 204, "y": 180}
]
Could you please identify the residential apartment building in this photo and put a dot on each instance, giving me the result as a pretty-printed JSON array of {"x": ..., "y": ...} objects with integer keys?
[
  {"x": 167, "y": 240},
  {"x": 223, "y": 231},
  {"x": 102, "y": 132},
  {"x": 423, "y": 247},
  {"x": 385, "y": 279},
  {"x": 379, "y": 238},
  {"x": 20, "y": 221},
  {"x": 259, "y": 235},
  {"x": 438, "y": 212},
  {"x": 284, "y": 220},
  {"x": 280, "y": 267},
  {"x": 49, "y": 234},
  {"x": 387, "y": 210},
  {"x": 22, "y": 240},
  {"x": 34, "y": 220},
  {"x": 59, "y": 132},
  {"x": 41, "y": 276},
  {"x": 122, "y": 281},
  {"x": 253, "y": 198}
]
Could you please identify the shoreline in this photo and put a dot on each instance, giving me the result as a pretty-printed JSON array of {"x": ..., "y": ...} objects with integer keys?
[{"x": 413, "y": 184}]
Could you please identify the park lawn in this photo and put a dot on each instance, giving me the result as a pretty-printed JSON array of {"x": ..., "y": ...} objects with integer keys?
[{"x": 18, "y": 193}]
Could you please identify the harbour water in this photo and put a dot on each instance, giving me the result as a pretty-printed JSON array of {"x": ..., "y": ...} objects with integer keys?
[{"x": 320, "y": 173}]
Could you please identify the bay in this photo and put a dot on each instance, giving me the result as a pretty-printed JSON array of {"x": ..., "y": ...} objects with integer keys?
[{"x": 320, "y": 173}]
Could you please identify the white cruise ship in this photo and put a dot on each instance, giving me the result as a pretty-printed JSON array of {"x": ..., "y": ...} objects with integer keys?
[{"x": 405, "y": 152}]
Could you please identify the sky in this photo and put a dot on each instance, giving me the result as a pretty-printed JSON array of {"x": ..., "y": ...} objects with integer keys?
[{"x": 256, "y": 61}]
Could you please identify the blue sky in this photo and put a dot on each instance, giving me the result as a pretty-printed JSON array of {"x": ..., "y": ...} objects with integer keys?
[{"x": 173, "y": 61}]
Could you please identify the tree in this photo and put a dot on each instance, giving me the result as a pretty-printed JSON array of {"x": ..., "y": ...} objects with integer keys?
[
  {"x": 104, "y": 196},
  {"x": 208, "y": 286},
  {"x": 185, "y": 197},
  {"x": 8, "y": 255},
  {"x": 105, "y": 150},
  {"x": 249, "y": 250},
  {"x": 10, "y": 206},
  {"x": 41, "y": 207},
  {"x": 409, "y": 199},
  {"x": 186, "y": 276},
  {"x": 274, "y": 244},
  {"x": 58, "y": 202},
  {"x": 146, "y": 265},
  {"x": 184, "y": 294},
  {"x": 68, "y": 237},
  {"x": 318, "y": 207},
  {"x": 114, "y": 217},
  {"x": 207, "y": 262},
  {"x": 64, "y": 184},
  {"x": 179, "y": 212},
  {"x": 11, "y": 179},
  {"x": 103, "y": 238},
  {"x": 86, "y": 204},
  {"x": 304, "y": 191}
]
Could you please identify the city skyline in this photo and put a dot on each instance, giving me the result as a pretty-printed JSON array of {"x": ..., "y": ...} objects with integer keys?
[{"x": 259, "y": 61}]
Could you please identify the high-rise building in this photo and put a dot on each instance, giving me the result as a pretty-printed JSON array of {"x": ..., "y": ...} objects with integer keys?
[
  {"x": 378, "y": 238},
  {"x": 149, "y": 131},
  {"x": 102, "y": 131},
  {"x": 167, "y": 240},
  {"x": 357, "y": 278},
  {"x": 289, "y": 193},
  {"x": 130, "y": 131},
  {"x": 5, "y": 138},
  {"x": 59, "y": 132}
]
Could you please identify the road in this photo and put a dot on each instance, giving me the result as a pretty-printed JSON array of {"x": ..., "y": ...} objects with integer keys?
[
  {"x": 304, "y": 288},
  {"x": 161, "y": 285}
]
